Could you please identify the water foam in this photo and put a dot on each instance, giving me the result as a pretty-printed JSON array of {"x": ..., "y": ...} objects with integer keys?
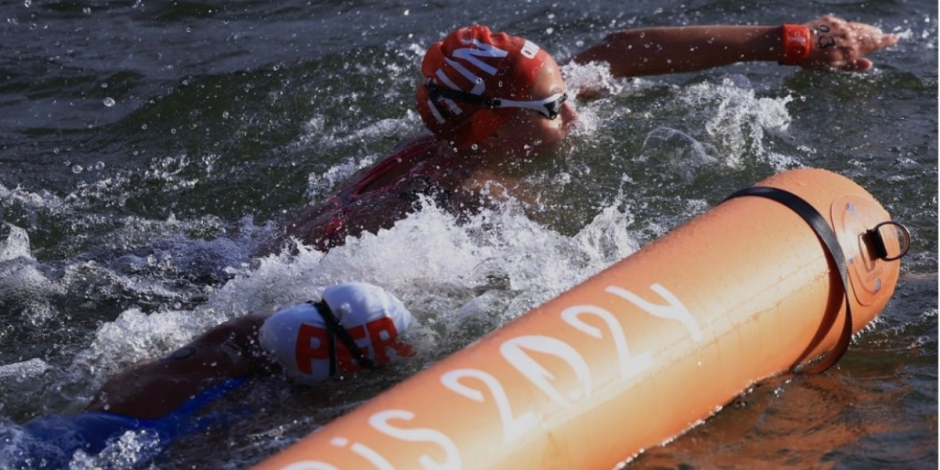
[
  {"x": 737, "y": 122},
  {"x": 25, "y": 288}
]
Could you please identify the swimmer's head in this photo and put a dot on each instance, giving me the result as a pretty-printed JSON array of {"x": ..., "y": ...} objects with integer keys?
[
  {"x": 476, "y": 61},
  {"x": 296, "y": 337}
]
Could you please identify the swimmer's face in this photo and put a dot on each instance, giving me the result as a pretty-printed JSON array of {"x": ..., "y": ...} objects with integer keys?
[{"x": 530, "y": 133}]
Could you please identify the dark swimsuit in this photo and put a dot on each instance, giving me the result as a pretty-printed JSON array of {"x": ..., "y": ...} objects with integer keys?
[{"x": 336, "y": 228}]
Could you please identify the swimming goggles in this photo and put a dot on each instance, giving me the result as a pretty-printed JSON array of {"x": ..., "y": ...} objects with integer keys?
[{"x": 548, "y": 107}]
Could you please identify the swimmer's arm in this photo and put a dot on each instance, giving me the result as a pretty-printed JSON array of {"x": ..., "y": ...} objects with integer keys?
[
  {"x": 835, "y": 44},
  {"x": 239, "y": 336},
  {"x": 156, "y": 388},
  {"x": 653, "y": 51}
]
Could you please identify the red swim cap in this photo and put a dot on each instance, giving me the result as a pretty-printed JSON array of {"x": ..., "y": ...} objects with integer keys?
[{"x": 476, "y": 60}]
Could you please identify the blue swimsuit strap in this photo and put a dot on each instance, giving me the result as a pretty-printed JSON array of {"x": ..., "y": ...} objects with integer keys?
[
  {"x": 209, "y": 395},
  {"x": 180, "y": 423}
]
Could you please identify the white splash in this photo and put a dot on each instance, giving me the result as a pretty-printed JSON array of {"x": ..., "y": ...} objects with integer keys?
[
  {"x": 23, "y": 370},
  {"x": 736, "y": 120},
  {"x": 25, "y": 289}
]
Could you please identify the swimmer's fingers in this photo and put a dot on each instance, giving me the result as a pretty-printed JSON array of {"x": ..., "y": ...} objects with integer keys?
[
  {"x": 840, "y": 45},
  {"x": 870, "y": 38},
  {"x": 859, "y": 65}
]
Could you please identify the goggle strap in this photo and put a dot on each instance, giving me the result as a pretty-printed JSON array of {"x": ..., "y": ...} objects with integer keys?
[{"x": 435, "y": 90}]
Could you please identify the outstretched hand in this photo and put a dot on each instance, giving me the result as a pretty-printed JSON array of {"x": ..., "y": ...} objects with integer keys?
[{"x": 841, "y": 45}]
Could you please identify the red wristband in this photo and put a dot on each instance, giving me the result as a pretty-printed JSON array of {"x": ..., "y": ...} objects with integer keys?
[{"x": 796, "y": 43}]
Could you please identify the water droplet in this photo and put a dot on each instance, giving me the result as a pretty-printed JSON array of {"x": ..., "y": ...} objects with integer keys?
[
  {"x": 109, "y": 101},
  {"x": 173, "y": 131},
  {"x": 225, "y": 115},
  {"x": 474, "y": 146},
  {"x": 86, "y": 10},
  {"x": 407, "y": 12},
  {"x": 99, "y": 166},
  {"x": 27, "y": 3},
  {"x": 77, "y": 169},
  {"x": 143, "y": 126},
  {"x": 104, "y": 85}
]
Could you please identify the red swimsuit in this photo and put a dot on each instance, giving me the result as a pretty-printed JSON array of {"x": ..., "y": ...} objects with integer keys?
[{"x": 336, "y": 228}]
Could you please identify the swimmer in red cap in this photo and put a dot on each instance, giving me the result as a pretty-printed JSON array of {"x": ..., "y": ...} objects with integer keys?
[
  {"x": 488, "y": 99},
  {"x": 354, "y": 326}
]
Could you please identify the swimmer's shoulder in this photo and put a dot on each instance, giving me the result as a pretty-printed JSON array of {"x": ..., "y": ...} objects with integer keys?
[{"x": 424, "y": 138}]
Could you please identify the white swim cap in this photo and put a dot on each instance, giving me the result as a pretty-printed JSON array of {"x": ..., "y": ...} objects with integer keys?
[{"x": 297, "y": 336}]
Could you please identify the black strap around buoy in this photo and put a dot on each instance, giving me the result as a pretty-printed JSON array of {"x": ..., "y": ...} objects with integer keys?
[
  {"x": 833, "y": 249},
  {"x": 335, "y": 330}
]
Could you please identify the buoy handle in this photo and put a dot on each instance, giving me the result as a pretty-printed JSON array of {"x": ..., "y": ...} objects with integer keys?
[{"x": 878, "y": 242}]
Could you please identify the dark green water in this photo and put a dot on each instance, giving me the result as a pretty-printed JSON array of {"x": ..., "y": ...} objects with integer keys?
[{"x": 148, "y": 148}]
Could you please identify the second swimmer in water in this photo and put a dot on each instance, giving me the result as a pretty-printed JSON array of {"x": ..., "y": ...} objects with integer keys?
[{"x": 354, "y": 326}]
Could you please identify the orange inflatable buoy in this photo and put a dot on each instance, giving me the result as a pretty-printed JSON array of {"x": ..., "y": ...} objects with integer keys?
[{"x": 644, "y": 350}]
